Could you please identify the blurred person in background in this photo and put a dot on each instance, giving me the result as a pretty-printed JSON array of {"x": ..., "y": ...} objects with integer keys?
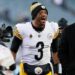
[
  {"x": 62, "y": 24},
  {"x": 67, "y": 50},
  {"x": 7, "y": 63},
  {"x": 35, "y": 38},
  {"x": 3, "y": 26},
  {"x": 9, "y": 32},
  {"x": 55, "y": 45},
  {"x": 3, "y": 33}
]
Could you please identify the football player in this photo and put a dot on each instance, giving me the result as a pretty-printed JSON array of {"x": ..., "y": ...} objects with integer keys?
[{"x": 34, "y": 40}]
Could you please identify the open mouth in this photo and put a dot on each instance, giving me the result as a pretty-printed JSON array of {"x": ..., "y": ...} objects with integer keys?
[{"x": 43, "y": 20}]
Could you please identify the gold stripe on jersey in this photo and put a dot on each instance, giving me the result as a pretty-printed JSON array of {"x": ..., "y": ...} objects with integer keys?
[
  {"x": 22, "y": 72},
  {"x": 17, "y": 34},
  {"x": 56, "y": 34},
  {"x": 34, "y": 6},
  {"x": 50, "y": 73}
]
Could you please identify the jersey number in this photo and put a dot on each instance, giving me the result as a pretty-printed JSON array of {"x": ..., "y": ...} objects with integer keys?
[{"x": 39, "y": 50}]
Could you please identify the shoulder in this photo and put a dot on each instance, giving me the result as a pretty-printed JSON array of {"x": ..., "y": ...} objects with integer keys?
[
  {"x": 54, "y": 27},
  {"x": 52, "y": 24},
  {"x": 20, "y": 29},
  {"x": 21, "y": 25}
]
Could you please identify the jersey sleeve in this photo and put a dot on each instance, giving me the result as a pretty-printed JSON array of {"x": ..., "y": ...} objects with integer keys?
[
  {"x": 17, "y": 40},
  {"x": 18, "y": 31},
  {"x": 55, "y": 29}
]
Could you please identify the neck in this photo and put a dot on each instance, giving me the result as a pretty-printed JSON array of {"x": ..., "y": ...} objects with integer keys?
[
  {"x": 36, "y": 26},
  {"x": 35, "y": 23}
]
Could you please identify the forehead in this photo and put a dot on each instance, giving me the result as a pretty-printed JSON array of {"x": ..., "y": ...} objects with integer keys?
[{"x": 42, "y": 11}]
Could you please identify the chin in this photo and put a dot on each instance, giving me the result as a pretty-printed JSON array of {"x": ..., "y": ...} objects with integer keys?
[{"x": 43, "y": 25}]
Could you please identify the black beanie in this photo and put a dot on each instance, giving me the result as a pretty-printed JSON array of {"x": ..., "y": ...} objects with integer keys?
[{"x": 35, "y": 8}]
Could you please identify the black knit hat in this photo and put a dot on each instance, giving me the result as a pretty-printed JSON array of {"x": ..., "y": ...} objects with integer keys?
[
  {"x": 62, "y": 23},
  {"x": 35, "y": 8}
]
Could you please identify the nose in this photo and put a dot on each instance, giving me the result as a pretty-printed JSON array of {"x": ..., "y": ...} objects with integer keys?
[{"x": 44, "y": 15}]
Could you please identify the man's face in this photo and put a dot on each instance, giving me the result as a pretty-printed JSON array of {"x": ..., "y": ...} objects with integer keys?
[{"x": 41, "y": 18}]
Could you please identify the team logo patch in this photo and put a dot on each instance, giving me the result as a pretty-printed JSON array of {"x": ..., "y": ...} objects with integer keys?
[
  {"x": 30, "y": 36},
  {"x": 43, "y": 7},
  {"x": 38, "y": 70}
]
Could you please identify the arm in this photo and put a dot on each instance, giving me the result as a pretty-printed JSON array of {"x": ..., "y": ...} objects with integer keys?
[
  {"x": 54, "y": 44},
  {"x": 16, "y": 42},
  {"x": 55, "y": 58},
  {"x": 63, "y": 48},
  {"x": 54, "y": 47},
  {"x": 15, "y": 45},
  {"x": 56, "y": 62}
]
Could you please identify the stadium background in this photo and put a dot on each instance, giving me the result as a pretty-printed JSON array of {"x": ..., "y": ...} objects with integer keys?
[{"x": 14, "y": 11}]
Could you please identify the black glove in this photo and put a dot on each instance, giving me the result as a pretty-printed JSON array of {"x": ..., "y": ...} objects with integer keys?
[{"x": 12, "y": 67}]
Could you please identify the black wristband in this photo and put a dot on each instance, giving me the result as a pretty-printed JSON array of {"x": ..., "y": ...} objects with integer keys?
[{"x": 55, "y": 67}]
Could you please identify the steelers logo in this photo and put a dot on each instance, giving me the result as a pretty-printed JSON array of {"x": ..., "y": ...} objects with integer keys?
[
  {"x": 43, "y": 7},
  {"x": 38, "y": 70}
]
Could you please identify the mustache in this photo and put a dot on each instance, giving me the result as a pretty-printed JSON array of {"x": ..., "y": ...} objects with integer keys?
[{"x": 43, "y": 18}]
